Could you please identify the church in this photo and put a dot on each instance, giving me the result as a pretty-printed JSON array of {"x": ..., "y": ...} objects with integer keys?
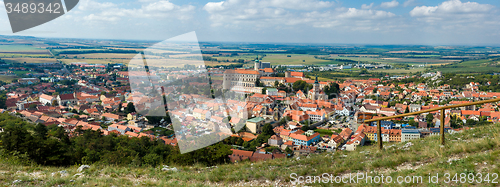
[{"x": 315, "y": 93}]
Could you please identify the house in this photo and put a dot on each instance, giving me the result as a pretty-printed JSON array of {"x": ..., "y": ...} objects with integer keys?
[
  {"x": 240, "y": 155},
  {"x": 255, "y": 124},
  {"x": 120, "y": 128},
  {"x": 409, "y": 134},
  {"x": 358, "y": 140},
  {"x": 297, "y": 115},
  {"x": 394, "y": 135},
  {"x": 346, "y": 133},
  {"x": 201, "y": 114},
  {"x": 306, "y": 139},
  {"x": 275, "y": 141},
  {"x": 415, "y": 107},
  {"x": 110, "y": 117},
  {"x": 66, "y": 99},
  {"x": 335, "y": 141},
  {"x": 422, "y": 125},
  {"x": 46, "y": 99}
]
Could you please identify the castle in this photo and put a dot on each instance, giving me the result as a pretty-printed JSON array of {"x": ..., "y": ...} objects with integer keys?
[{"x": 245, "y": 77}]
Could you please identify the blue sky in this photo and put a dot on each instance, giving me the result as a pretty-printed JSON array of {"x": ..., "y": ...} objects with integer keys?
[{"x": 449, "y": 22}]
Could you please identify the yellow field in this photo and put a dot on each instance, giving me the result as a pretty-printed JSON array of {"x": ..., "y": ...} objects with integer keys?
[
  {"x": 6, "y": 78},
  {"x": 94, "y": 61},
  {"x": 103, "y": 55},
  {"x": 282, "y": 59}
]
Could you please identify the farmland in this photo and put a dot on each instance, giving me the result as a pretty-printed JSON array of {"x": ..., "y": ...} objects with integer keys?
[
  {"x": 94, "y": 61},
  {"x": 30, "y": 60},
  {"x": 472, "y": 66},
  {"x": 20, "y": 48},
  {"x": 7, "y": 78}
]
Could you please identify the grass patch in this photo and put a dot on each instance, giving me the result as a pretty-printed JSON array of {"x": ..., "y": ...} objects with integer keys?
[{"x": 474, "y": 151}]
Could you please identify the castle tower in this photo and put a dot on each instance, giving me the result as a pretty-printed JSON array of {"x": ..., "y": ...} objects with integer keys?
[
  {"x": 226, "y": 84},
  {"x": 288, "y": 74},
  {"x": 257, "y": 64}
]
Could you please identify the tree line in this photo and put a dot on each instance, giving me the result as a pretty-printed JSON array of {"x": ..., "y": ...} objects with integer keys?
[{"x": 52, "y": 145}]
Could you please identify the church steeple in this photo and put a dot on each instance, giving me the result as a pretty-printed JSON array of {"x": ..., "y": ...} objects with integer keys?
[{"x": 316, "y": 82}]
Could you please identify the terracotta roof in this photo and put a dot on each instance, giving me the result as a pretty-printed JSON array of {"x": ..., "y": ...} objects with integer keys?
[{"x": 67, "y": 96}]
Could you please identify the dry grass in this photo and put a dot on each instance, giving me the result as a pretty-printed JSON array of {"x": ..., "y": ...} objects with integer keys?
[{"x": 477, "y": 150}]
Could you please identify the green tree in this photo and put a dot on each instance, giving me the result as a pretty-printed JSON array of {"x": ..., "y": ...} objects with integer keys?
[
  {"x": 288, "y": 151},
  {"x": 429, "y": 118},
  {"x": 41, "y": 131},
  {"x": 267, "y": 129},
  {"x": 258, "y": 83},
  {"x": 130, "y": 108}
]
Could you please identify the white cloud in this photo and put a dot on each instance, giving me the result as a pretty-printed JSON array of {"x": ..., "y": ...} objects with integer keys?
[
  {"x": 390, "y": 4},
  {"x": 365, "y": 14},
  {"x": 365, "y": 6},
  {"x": 281, "y": 13},
  {"x": 456, "y": 16},
  {"x": 451, "y": 7},
  {"x": 408, "y": 3},
  {"x": 87, "y": 5},
  {"x": 156, "y": 9},
  {"x": 299, "y": 4},
  {"x": 260, "y": 4}
]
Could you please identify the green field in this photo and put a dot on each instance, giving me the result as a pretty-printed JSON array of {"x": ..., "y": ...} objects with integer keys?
[
  {"x": 295, "y": 59},
  {"x": 396, "y": 71},
  {"x": 423, "y": 56},
  {"x": 21, "y": 73},
  {"x": 473, "y": 66},
  {"x": 19, "y": 55},
  {"x": 19, "y": 48}
]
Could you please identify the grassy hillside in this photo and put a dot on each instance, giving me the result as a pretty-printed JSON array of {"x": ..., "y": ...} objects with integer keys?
[{"x": 472, "y": 152}]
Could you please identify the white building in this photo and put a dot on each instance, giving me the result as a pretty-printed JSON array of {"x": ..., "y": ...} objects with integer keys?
[
  {"x": 409, "y": 134},
  {"x": 46, "y": 99}
]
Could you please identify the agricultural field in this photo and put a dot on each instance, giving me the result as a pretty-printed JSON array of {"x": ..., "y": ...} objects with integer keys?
[
  {"x": 103, "y": 55},
  {"x": 20, "y": 48},
  {"x": 399, "y": 71},
  {"x": 31, "y": 60},
  {"x": 473, "y": 66},
  {"x": 25, "y": 55},
  {"x": 94, "y": 61},
  {"x": 295, "y": 59},
  {"x": 7, "y": 78}
]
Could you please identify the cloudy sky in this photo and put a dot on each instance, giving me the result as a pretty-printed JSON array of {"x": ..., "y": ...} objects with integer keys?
[{"x": 432, "y": 22}]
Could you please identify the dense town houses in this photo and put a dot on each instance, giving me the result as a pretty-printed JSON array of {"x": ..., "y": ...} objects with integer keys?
[{"x": 303, "y": 121}]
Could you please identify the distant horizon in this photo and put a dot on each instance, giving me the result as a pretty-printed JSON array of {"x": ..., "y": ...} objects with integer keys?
[{"x": 284, "y": 43}]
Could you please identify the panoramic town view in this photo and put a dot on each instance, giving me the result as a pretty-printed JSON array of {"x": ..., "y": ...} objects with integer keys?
[{"x": 252, "y": 99}]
